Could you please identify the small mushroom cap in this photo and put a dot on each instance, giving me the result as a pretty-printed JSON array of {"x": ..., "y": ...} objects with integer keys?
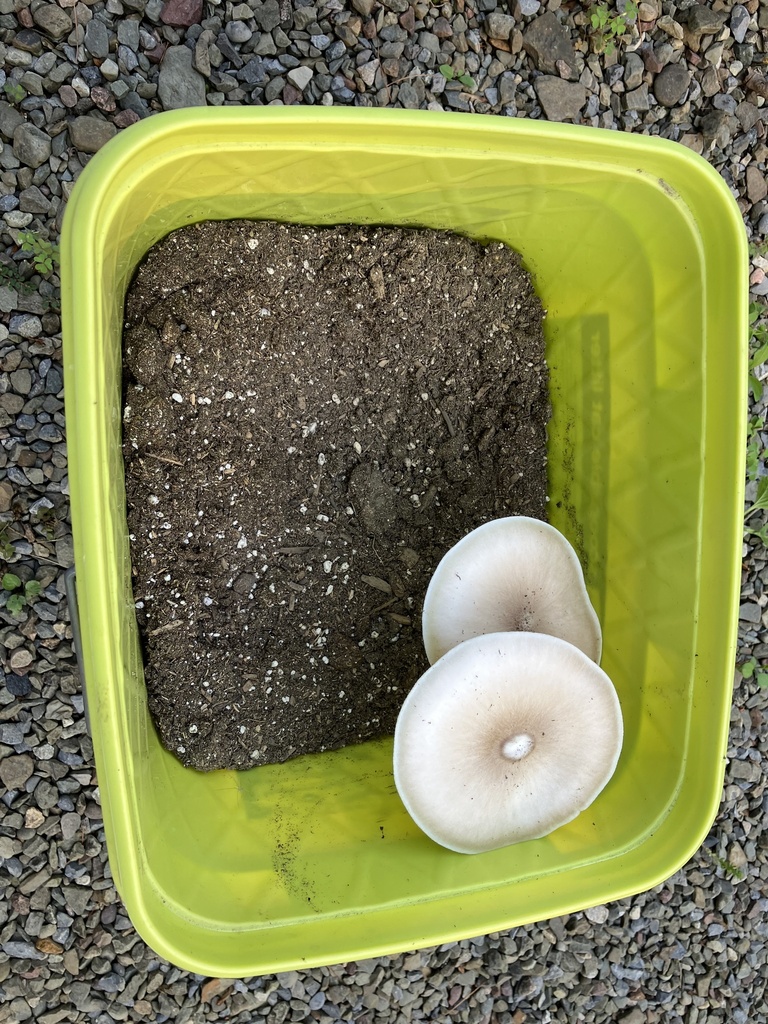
[
  {"x": 505, "y": 738},
  {"x": 509, "y": 574}
]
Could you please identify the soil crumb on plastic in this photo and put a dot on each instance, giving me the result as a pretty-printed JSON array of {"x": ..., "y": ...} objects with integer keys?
[{"x": 312, "y": 417}]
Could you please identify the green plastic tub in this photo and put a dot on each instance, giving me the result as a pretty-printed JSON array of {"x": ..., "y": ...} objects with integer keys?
[{"x": 639, "y": 255}]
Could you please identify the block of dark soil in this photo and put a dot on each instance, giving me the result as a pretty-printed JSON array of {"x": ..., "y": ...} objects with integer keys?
[{"x": 313, "y": 416}]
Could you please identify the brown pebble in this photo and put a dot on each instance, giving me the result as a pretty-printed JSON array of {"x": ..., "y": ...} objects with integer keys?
[
  {"x": 757, "y": 189},
  {"x": 48, "y": 946},
  {"x": 20, "y": 658},
  {"x": 291, "y": 95},
  {"x": 391, "y": 67},
  {"x": 215, "y": 988},
  {"x": 103, "y": 99},
  {"x": 408, "y": 21},
  {"x": 33, "y": 818},
  {"x": 442, "y": 28},
  {"x": 155, "y": 55},
  {"x": 125, "y": 118},
  {"x": 20, "y": 904},
  {"x": 68, "y": 96},
  {"x": 182, "y": 13}
]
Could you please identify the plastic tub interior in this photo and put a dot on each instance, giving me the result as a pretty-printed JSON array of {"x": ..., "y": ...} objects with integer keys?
[{"x": 638, "y": 252}]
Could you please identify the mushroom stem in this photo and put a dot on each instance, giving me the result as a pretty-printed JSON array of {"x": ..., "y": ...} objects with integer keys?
[{"x": 517, "y": 747}]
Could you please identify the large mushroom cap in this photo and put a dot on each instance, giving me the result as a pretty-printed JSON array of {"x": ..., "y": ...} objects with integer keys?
[
  {"x": 507, "y": 575},
  {"x": 507, "y": 737}
]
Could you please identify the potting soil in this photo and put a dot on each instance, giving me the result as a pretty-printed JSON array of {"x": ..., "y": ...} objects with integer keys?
[{"x": 313, "y": 416}]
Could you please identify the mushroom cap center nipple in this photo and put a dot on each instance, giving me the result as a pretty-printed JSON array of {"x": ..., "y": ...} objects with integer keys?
[{"x": 517, "y": 747}]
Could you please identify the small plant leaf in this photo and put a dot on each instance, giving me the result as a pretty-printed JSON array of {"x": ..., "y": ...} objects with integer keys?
[
  {"x": 446, "y": 71},
  {"x": 761, "y": 499},
  {"x": 762, "y": 680},
  {"x": 10, "y": 582},
  {"x": 32, "y": 588},
  {"x": 748, "y": 668},
  {"x": 15, "y": 603},
  {"x": 759, "y": 356},
  {"x": 469, "y": 81}
]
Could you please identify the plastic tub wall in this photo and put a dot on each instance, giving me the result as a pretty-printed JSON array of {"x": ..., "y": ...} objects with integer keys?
[{"x": 639, "y": 255}]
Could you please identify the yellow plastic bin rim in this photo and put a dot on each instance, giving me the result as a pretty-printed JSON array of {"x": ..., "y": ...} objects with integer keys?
[{"x": 418, "y": 924}]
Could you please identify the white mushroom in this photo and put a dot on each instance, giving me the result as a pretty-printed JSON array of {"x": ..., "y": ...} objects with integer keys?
[
  {"x": 507, "y": 575},
  {"x": 505, "y": 738}
]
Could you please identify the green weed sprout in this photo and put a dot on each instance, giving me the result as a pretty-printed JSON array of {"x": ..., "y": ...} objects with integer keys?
[
  {"x": 15, "y": 92},
  {"x": 758, "y": 350},
  {"x": 20, "y": 595},
  {"x": 449, "y": 74},
  {"x": 45, "y": 254},
  {"x": 610, "y": 26},
  {"x": 750, "y": 669}
]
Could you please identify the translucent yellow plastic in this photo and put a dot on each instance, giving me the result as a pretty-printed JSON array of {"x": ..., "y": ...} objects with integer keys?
[{"x": 639, "y": 255}]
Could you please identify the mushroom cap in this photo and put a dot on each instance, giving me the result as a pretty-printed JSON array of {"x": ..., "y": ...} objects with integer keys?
[
  {"x": 505, "y": 738},
  {"x": 509, "y": 574}
]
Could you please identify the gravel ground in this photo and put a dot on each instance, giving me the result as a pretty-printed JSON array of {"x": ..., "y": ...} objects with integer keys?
[{"x": 74, "y": 74}]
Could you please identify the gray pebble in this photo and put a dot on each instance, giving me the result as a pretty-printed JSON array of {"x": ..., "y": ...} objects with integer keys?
[
  {"x": 560, "y": 100},
  {"x": 637, "y": 100},
  {"x": 27, "y": 326},
  {"x": 633, "y": 71},
  {"x": 499, "y": 26},
  {"x": 548, "y": 41},
  {"x": 96, "y": 38},
  {"x": 52, "y": 20},
  {"x": 670, "y": 84},
  {"x": 31, "y": 145},
  {"x": 253, "y": 73},
  {"x": 89, "y": 134},
  {"x": 300, "y": 77},
  {"x": 21, "y": 380},
  {"x": 179, "y": 85},
  {"x": 740, "y": 18},
  {"x": 15, "y": 770},
  {"x": 128, "y": 33},
  {"x": 19, "y": 686},
  {"x": 238, "y": 32},
  {"x": 267, "y": 15},
  {"x": 21, "y": 951}
]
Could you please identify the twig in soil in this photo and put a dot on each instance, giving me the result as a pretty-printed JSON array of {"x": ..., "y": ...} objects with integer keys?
[
  {"x": 381, "y": 607},
  {"x": 164, "y": 629},
  {"x": 402, "y": 620},
  {"x": 448, "y": 423},
  {"x": 164, "y": 458},
  {"x": 293, "y": 551}
]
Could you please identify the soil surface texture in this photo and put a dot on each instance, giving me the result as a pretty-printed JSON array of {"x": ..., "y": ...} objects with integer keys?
[{"x": 313, "y": 416}]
